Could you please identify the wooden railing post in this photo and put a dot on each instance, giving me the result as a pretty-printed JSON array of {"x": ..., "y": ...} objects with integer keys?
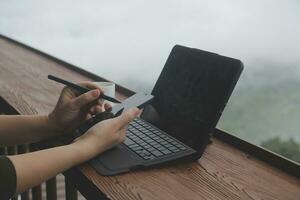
[
  {"x": 36, "y": 191},
  {"x": 2, "y": 151},
  {"x": 12, "y": 150},
  {"x": 51, "y": 185},
  {"x": 71, "y": 192},
  {"x": 51, "y": 189},
  {"x": 23, "y": 149}
]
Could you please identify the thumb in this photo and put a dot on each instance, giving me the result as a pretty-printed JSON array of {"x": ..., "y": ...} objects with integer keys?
[
  {"x": 86, "y": 98},
  {"x": 126, "y": 117}
]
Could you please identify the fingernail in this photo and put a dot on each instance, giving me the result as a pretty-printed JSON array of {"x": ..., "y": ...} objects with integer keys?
[{"x": 95, "y": 93}]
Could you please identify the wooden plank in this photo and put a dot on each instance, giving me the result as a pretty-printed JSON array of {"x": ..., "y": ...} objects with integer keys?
[
  {"x": 273, "y": 159},
  {"x": 25, "y": 196},
  {"x": 12, "y": 150},
  {"x": 222, "y": 172},
  {"x": 3, "y": 151},
  {"x": 5, "y": 108},
  {"x": 86, "y": 187},
  {"x": 36, "y": 192},
  {"x": 23, "y": 149},
  {"x": 51, "y": 189},
  {"x": 72, "y": 67},
  {"x": 71, "y": 192},
  {"x": 3, "y": 111}
]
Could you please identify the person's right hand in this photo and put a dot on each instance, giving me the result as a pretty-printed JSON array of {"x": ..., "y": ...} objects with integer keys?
[
  {"x": 105, "y": 134},
  {"x": 73, "y": 108}
]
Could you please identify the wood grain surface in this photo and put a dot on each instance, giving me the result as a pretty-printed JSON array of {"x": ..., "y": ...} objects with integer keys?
[{"x": 223, "y": 172}]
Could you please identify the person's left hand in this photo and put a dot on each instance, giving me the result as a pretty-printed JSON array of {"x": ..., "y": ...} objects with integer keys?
[{"x": 72, "y": 109}]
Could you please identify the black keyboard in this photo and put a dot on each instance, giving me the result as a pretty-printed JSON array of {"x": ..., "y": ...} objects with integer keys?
[{"x": 149, "y": 142}]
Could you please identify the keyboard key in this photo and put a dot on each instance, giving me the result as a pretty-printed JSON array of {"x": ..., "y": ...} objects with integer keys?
[
  {"x": 174, "y": 142},
  {"x": 161, "y": 148},
  {"x": 151, "y": 149},
  {"x": 136, "y": 149},
  {"x": 135, "y": 131},
  {"x": 182, "y": 148},
  {"x": 134, "y": 137},
  {"x": 157, "y": 136},
  {"x": 169, "y": 140},
  {"x": 145, "y": 153},
  {"x": 146, "y": 126},
  {"x": 173, "y": 149},
  {"x": 159, "y": 140},
  {"x": 139, "y": 151},
  {"x": 166, "y": 152},
  {"x": 153, "y": 143},
  {"x": 157, "y": 153},
  {"x": 164, "y": 136},
  {"x": 149, "y": 157},
  {"x": 143, "y": 144},
  {"x": 128, "y": 142},
  {"x": 133, "y": 146},
  {"x": 168, "y": 145}
]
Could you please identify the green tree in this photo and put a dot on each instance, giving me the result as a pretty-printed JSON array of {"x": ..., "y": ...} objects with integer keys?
[{"x": 288, "y": 148}]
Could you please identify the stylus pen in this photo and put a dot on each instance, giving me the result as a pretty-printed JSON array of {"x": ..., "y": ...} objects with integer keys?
[{"x": 80, "y": 89}]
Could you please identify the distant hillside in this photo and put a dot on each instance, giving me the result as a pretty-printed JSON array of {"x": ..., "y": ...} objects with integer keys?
[{"x": 265, "y": 105}]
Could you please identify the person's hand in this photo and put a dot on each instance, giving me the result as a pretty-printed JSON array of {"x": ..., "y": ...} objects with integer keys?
[
  {"x": 105, "y": 134},
  {"x": 72, "y": 109}
]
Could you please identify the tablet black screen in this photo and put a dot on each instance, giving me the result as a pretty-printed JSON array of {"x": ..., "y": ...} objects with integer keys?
[{"x": 191, "y": 93}]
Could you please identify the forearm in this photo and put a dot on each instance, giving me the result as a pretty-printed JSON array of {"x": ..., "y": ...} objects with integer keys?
[
  {"x": 36, "y": 167},
  {"x": 19, "y": 129}
]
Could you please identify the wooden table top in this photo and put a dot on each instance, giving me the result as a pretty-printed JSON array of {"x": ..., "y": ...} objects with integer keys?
[{"x": 223, "y": 172}]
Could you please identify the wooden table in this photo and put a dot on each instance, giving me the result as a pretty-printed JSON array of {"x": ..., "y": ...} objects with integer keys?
[{"x": 223, "y": 172}]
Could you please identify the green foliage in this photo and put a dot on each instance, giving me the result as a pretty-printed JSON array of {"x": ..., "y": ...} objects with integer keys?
[
  {"x": 289, "y": 148},
  {"x": 265, "y": 108},
  {"x": 265, "y": 105}
]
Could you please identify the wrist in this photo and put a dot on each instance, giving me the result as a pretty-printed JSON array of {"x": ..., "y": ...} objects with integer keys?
[
  {"x": 79, "y": 155},
  {"x": 87, "y": 147},
  {"x": 53, "y": 125},
  {"x": 83, "y": 151}
]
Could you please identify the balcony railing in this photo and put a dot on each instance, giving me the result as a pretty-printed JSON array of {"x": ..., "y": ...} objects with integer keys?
[
  {"x": 56, "y": 188},
  {"x": 61, "y": 188}
]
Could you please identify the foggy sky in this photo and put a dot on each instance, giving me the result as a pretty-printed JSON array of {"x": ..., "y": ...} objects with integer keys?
[{"x": 128, "y": 41}]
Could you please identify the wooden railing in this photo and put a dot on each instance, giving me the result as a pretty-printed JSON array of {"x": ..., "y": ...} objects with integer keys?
[
  {"x": 229, "y": 168},
  {"x": 48, "y": 192}
]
